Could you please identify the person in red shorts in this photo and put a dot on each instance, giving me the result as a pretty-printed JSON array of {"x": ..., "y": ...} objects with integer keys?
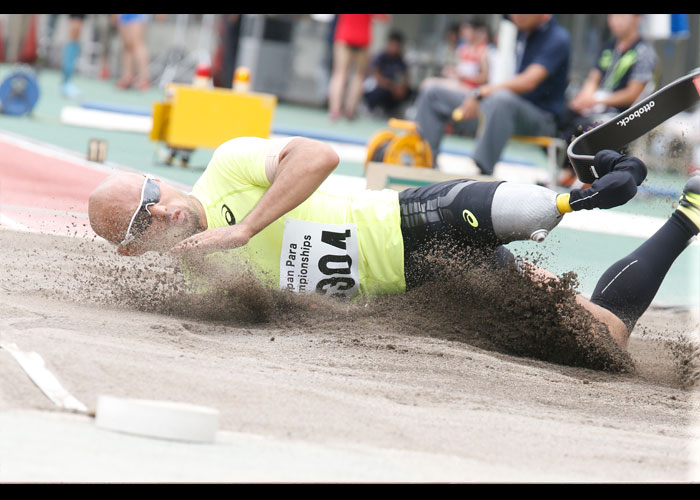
[{"x": 351, "y": 40}]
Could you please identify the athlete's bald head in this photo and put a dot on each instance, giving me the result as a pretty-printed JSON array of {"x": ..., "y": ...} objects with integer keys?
[{"x": 113, "y": 202}]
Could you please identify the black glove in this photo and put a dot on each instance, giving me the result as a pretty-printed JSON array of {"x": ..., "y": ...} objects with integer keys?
[
  {"x": 607, "y": 161},
  {"x": 619, "y": 176}
]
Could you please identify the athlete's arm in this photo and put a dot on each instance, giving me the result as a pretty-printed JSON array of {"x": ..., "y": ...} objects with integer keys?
[{"x": 304, "y": 164}]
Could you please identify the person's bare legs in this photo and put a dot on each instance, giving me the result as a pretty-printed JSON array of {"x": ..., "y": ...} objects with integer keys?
[
  {"x": 75, "y": 26},
  {"x": 617, "y": 329},
  {"x": 360, "y": 60},
  {"x": 627, "y": 288},
  {"x": 134, "y": 55},
  {"x": 140, "y": 52},
  {"x": 105, "y": 30},
  {"x": 127, "y": 76},
  {"x": 69, "y": 60},
  {"x": 336, "y": 86}
]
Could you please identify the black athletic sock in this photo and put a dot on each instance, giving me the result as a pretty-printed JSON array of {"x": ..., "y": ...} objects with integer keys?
[
  {"x": 620, "y": 176},
  {"x": 628, "y": 286}
]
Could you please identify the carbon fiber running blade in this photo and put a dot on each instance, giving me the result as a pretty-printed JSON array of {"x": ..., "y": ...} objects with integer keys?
[{"x": 633, "y": 123}]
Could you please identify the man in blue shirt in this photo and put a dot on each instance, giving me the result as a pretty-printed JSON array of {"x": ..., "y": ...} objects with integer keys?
[{"x": 529, "y": 103}]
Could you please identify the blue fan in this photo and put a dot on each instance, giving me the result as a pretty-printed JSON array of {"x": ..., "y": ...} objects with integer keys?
[{"x": 19, "y": 93}]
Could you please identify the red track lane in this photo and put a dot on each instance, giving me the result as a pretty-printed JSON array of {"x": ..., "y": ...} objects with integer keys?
[{"x": 37, "y": 189}]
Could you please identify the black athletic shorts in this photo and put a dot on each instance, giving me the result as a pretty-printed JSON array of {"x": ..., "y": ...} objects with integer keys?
[{"x": 457, "y": 211}]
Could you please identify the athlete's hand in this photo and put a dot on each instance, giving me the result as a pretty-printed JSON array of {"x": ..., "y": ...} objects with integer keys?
[{"x": 213, "y": 240}]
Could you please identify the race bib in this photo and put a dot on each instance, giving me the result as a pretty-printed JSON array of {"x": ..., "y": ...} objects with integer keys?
[{"x": 319, "y": 257}]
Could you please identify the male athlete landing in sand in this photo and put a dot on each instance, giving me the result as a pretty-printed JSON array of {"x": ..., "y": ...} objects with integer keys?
[{"x": 265, "y": 198}]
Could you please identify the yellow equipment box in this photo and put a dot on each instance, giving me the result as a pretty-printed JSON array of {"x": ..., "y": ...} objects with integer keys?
[{"x": 195, "y": 117}]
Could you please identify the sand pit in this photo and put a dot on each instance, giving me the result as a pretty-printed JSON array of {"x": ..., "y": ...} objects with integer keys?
[{"x": 410, "y": 373}]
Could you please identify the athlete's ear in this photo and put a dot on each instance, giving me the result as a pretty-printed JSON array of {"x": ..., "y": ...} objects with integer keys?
[{"x": 130, "y": 250}]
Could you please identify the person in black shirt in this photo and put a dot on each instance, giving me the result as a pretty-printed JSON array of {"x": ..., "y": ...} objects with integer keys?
[
  {"x": 387, "y": 86},
  {"x": 624, "y": 71}
]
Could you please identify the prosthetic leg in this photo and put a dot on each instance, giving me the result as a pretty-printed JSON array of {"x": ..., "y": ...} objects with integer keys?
[{"x": 524, "y": 211}]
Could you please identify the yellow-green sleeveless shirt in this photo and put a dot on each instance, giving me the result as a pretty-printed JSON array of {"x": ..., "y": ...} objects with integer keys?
[{"x": 334, "y": 243}]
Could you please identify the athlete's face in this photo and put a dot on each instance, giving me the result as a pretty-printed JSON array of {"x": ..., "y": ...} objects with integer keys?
[{"x": 167, "y": 221}]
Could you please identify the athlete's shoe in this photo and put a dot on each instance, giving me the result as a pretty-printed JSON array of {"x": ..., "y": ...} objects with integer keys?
[{"x": 690, "y": 200}]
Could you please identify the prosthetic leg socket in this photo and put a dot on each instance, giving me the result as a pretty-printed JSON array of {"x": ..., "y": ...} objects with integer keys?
[{"x": 524, "y": 212}]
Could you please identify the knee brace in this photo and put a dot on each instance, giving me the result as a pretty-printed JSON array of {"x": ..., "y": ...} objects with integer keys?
[{"x": 524, "y": 212}]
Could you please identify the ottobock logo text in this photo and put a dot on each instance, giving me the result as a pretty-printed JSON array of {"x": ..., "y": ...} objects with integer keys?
[{"x": 644, "y": 109}]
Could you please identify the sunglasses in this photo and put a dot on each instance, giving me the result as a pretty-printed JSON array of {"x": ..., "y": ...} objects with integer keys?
[{"x": 141, "y": 220}]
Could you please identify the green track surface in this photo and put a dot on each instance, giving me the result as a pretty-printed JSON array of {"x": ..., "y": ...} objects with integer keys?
[{"x": 586, "y": 253}]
